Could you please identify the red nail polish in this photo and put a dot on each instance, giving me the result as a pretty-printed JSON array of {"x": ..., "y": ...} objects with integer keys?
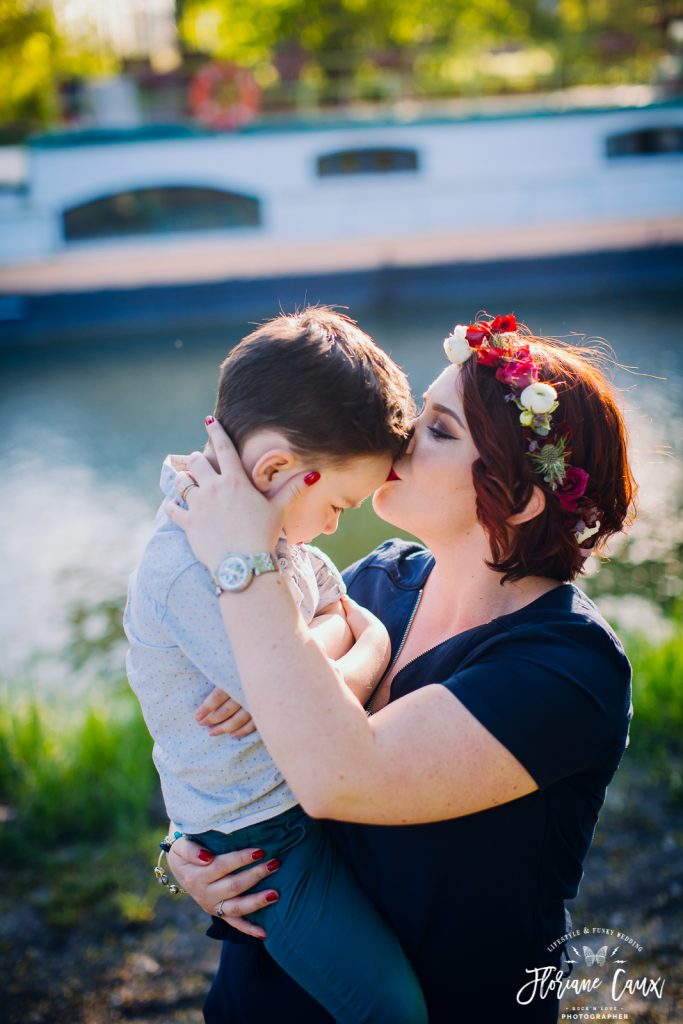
[
  {"x": 208, "y": 420},
  {"x": 311, "y": 478},
  {"x": 273, "y": 865},
  {"x": 205, "y": 856},
  {"x": 257, "y": 854},
  {"x": 393, "y": 475},
  {"x": 271, "y": 897}
]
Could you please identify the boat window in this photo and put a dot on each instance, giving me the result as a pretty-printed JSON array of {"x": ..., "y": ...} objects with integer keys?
[
  {"x": 367, "y": 161},
  {"x": 153, "y": 211},
  {"x": 646, "y": 142}
]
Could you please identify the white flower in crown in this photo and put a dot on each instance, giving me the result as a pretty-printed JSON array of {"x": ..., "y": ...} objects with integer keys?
[
  {"x": 539, "y": 398},
  {"x": 587, "y": 531},
  {"x": 457, "y": 347}
]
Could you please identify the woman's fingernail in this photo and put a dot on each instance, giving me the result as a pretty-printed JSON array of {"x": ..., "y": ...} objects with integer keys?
[
  {"x": 271, "y": 897},
  {"x": 208, "y": 420},
  {"x": 205, "y": 856},
  {"x": 257, "y": 854},
  {"x": 273, "y": 865},
  {"x": 311, "y": 478},
  {"x": 393, "y": 475}
]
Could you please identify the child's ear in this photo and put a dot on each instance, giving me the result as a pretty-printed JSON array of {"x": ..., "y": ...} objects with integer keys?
[{"x": 270, "y": 468}]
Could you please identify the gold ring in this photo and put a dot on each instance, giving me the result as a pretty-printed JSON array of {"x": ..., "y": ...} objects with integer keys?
[
  {"x": 185, "y": 491},
  {"x": 219, "y": 908}
]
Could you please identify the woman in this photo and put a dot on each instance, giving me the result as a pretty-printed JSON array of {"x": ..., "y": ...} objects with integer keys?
[{"x": 470, "y": 794}]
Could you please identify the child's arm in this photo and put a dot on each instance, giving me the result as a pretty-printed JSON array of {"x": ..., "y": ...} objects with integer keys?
[
  {"x": 362, "y": 664},
  {"x": 331, "y": 631},
  {"x": 366, "y": 661}
]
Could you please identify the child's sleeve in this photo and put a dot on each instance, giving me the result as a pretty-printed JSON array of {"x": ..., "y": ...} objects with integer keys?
[
  {"x": 192, "y": 618},
  {"x": 331, "y": 586}
]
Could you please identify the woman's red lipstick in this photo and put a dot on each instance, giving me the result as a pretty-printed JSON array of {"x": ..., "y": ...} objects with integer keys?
[{"x": 393, "y": 475}]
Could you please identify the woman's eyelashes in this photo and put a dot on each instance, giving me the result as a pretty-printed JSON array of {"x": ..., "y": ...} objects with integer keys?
[{"x": 439, "y": 434}]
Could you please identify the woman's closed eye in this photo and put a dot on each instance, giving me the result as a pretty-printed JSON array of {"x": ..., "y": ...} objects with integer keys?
[{"x": 438, "y": 433}]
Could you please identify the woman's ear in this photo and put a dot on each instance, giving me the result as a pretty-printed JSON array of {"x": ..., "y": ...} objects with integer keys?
[
  {"x": 271, "y": 467},
  {"x": 534, "y": 506}
]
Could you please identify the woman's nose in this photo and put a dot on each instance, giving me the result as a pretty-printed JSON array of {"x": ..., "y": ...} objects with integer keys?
[{"x": 411, "y": 442}]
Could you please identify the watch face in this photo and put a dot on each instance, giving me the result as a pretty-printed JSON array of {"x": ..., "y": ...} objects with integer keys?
[{"x": 234, "y": 573}]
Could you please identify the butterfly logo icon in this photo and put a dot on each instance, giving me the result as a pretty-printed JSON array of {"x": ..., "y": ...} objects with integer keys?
[
  {"x": 595, "y": 958},
  {"x": 592, "y": 958}
]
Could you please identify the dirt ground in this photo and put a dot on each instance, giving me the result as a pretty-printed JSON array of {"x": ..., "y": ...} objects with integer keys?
[{"x": 157, "y": 972}]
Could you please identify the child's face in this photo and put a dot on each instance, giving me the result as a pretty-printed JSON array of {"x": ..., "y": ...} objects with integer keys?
[{"x": 341, "y": 486}]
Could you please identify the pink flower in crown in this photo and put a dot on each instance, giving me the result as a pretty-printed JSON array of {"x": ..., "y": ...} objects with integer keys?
[
  {"x": 518, "y": 371},
  {"x": 572, "y": 488}
]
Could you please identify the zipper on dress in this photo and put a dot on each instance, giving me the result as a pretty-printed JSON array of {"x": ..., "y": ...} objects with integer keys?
[{"x": 398, "y": 650}]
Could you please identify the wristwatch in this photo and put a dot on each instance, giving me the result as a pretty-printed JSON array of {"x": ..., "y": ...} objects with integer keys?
[{"x": 236, "y": 571}]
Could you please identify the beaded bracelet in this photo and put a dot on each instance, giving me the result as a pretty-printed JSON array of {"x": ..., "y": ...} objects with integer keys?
[{"x": 159, "y": 871}]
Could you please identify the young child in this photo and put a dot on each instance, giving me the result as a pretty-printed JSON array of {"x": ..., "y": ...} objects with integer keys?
[{"x": 310, "y": 393}]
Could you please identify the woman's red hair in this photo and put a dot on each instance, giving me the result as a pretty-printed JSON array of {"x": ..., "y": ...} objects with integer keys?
[{"x": 504, "y": 476}]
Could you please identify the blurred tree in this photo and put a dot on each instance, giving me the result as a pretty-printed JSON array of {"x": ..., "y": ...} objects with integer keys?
[
  {"x": 33, "y": 61},
  {"x": 28, "y": 40},
  {"x": 337, "y": 35}
]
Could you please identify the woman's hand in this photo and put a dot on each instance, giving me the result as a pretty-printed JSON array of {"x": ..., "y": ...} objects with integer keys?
[
  {"x": 210, "y": 881},
  {"x": 225, "y": 511}
]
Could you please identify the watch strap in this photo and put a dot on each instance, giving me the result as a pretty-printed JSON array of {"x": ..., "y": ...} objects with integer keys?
[{"x": 262, "y": 562}]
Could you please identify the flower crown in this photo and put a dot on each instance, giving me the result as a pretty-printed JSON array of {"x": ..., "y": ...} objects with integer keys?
[{"x": 497, "y": 343}]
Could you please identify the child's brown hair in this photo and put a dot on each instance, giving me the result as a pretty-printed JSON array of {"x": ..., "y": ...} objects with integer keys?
[{"x": 323, "y": 383}]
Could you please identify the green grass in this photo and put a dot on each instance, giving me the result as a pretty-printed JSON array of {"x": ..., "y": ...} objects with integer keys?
[
  {"x": 657, "y": 727},
  {"x": 68, "y": 778}
]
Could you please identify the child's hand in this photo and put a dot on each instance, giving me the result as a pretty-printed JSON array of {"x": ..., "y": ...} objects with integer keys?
[{"x": 224, "y": 715}]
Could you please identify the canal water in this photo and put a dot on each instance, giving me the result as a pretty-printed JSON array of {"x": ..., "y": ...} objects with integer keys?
[{"x": 84, "y": 430}]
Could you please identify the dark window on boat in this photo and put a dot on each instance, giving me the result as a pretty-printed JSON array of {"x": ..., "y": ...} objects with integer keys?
[
  {"x": 153, "y": 211},
  {"x": 646, "y": 142},
  {"x": 367, "y": 161}
]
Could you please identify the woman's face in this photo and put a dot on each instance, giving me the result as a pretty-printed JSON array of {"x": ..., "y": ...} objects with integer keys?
[{"x": 435, "y": 497}]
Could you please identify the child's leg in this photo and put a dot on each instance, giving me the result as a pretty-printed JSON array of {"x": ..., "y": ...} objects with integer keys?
[{"x": 325, "y": 932}]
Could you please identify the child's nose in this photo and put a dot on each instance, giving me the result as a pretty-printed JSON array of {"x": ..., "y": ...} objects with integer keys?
[{"x": 332, "y": 523}]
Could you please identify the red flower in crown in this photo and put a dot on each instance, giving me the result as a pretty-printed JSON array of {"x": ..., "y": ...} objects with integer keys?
[
  {"x": 477, "y": 333},
  {"x": 487, "y": 355},
  {"x": 572, "y": 488},
  {"x": 503, "y": 324}
]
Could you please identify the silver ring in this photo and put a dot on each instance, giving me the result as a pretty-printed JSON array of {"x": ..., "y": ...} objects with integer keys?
[
  {"x": 219, "y": 908},
  {"x": 186, "y": 490}
]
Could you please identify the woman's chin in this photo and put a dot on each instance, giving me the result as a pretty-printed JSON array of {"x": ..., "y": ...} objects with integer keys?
[{"x": 385, "y": 505}]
